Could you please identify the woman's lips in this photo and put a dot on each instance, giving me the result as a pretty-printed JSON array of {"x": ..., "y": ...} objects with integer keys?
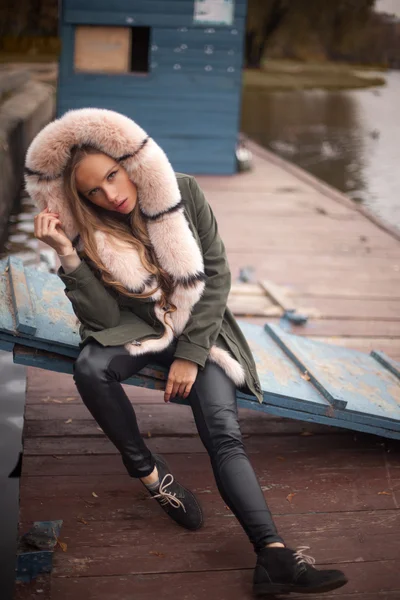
[{"x": 121, "y": 205}]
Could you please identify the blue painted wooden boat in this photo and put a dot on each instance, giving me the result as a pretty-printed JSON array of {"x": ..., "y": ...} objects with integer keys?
[{"x": 300, "y": 378}]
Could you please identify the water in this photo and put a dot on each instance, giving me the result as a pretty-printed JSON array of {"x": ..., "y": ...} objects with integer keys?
[{"x": 350, "y": 139}]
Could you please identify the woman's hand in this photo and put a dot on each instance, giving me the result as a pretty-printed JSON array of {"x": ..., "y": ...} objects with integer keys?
[
  {"x": 182, "y": 375},
  {"x": 48, "y": 229}
]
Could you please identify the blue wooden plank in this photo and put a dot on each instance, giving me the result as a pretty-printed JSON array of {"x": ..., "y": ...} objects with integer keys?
[
  {"x": 349, "y": 379},
  {"x": 54, "y": 363},
  {"x": 6, "y": 309},
  {"x": 387, "y": 362},
  {"x": 24, "y": 311},
  {"x": 217, "y": 103},
  {"x": 279, "y": 377},
  {"x": 281, "y": 411},
  {"x": 139, "y": 7},
  {"x": 131, "y": 19},
  {"x": 167, "y": 123},
  {"x": 222, "y": 38},
  {"x": 6, "y": 346},
  {"x": 55, "y": 319},
  {"x": 34, "y": 343},
  {"x": 138, "y": 90}
]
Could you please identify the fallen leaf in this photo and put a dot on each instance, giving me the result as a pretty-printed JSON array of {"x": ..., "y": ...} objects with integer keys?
[
  {"x": 69, "y": 398},
  {"x": 100, "y": 429},
  {"x": 82, "y": 520},
  {"x": 290, "y": 496},
  {"x": 159, "y": 554},
  {"x": 384, "y": 494},
  {"x": 281, "y": 458},
  {"x": 57, "y": 457},
  {"x": 6, "y": 269},
  {"x": 52, "y": 400},
  {"x": 148, "y": 434},
  {"x": 62, "y": 545},
  {"x": 305, "y": 376},
  {"x": 68, "y": 421},
  {"x": 227, "y": 507},
  {"x": 94, "y": 494},
  {"x": 306, "y": 433}
]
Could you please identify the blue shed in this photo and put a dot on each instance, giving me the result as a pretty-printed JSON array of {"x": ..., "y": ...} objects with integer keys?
[{"x": 174, "y": 66}]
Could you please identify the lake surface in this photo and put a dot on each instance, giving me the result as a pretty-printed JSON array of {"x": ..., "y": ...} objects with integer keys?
[{"x": 350, "y": 139}]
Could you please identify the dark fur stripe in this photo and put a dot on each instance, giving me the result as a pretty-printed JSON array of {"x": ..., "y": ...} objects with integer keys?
[
  {"x": 132, "y": 154},
  {"x": 191, "y": 280},
  {"x": 43, "y": 177},
  {"x": 39, "y": 175},
  {"x": 168, "y": 211}
]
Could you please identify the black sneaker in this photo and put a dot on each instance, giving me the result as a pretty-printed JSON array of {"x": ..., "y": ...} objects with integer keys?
[
  {"x": 282, "y": 570},
  {"x": 178, "y": 502}
]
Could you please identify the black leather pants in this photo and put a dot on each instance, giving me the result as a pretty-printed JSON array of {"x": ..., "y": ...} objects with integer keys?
[{"x": 98, "y": 372}]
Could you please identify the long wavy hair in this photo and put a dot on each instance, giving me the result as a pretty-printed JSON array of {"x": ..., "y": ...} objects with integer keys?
[{"x": 89, "y": 217}]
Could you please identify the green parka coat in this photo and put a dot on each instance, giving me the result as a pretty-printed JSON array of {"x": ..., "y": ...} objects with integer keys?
[{"x": 113, "y": 319}]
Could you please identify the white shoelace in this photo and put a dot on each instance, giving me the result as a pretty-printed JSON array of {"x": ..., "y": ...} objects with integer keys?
[
  {"x": 303, "y": 558},
  {"x": 167, "y": 497}
]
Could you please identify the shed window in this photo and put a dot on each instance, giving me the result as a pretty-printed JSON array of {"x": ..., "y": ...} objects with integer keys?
[{"x": 112, "y": 49}]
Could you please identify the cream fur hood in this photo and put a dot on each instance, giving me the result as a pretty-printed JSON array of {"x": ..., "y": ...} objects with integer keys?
[{"x": 160, "y": 202}]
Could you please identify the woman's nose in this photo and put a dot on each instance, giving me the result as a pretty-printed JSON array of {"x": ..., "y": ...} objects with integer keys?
[{"x": 112, "y": 195}]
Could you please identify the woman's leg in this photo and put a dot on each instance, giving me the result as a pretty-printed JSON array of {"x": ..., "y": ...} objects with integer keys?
[
  {"x": 213, "y": 401},
  {"x": 98, "y": 372}
]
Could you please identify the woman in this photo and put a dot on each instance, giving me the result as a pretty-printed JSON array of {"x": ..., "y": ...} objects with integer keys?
[{"x": 147, "y": 275}]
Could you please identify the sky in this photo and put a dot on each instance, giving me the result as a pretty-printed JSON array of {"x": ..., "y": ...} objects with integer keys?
[{"x": 388, "y": 6}]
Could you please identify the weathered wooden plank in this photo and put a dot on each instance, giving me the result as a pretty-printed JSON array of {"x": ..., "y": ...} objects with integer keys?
[
  {"x": 367, "y": 581},
  {"x": 276, "y": 444},
  {"x": 173, "y": 424},
  {"x": 81, "y": 445},
  {"x": 341, "y": 329},
  {"x": 280, "y": 465},
  {"x": 124, "y": 550},
  {"x": 25, "y": 316},
  {"x": 392, "y": 365},
  {"x": 366, "y": 345},
  {"x": 340, "y": 490},
  {"x": 348, "y": 379}
]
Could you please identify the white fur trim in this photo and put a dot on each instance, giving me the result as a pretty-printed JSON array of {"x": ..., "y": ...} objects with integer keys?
[
  {"x": 175, "y": 245},
  {"x": 230, "y": 365}
]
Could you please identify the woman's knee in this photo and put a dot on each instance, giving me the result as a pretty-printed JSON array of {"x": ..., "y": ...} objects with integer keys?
[{"x": 91, "y": 363}]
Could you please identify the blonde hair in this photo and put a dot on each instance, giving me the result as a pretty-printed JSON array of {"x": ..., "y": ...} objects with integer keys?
[{"x": 89, "y": 218}]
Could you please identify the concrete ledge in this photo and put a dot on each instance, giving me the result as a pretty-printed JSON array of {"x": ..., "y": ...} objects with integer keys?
[{"x": 21, "y": 117}]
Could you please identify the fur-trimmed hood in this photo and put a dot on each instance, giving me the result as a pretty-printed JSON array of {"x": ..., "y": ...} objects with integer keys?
[{"x": 160, "y": 203}]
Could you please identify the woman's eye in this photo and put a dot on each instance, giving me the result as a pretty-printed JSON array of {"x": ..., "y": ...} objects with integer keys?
[
  {"x": 111, "y": 175},
  {"x": 92, "y": 192}
]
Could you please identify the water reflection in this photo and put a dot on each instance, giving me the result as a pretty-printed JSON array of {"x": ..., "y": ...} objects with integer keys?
[
  {"x": 21, "y": 241},
  {"x": 349, "y": 139}
]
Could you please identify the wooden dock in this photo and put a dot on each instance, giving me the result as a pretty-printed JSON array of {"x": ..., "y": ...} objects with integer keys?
[{"x": 333, "y": 490}]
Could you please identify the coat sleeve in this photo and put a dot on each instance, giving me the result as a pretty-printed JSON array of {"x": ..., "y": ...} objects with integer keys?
[
  {"x": 95, "y": 307},
  {"x": 204, "y": 324}
]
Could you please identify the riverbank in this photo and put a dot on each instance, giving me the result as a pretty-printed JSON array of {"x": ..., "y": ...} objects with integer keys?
[{"x": 284, "y": 75}]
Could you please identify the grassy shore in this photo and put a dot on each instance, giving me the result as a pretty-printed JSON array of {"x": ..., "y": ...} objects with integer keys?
[{"x": 277, "y": 75}]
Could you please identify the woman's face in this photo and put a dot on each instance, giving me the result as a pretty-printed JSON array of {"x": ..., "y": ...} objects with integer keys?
[{"x": 106, "y": 183}]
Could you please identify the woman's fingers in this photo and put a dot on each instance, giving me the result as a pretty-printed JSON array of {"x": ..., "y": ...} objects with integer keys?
[
  {"x": 42, "y": 222},
  {"x": 168, "y": 390},
  {"x": 187, "y": 390}
]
